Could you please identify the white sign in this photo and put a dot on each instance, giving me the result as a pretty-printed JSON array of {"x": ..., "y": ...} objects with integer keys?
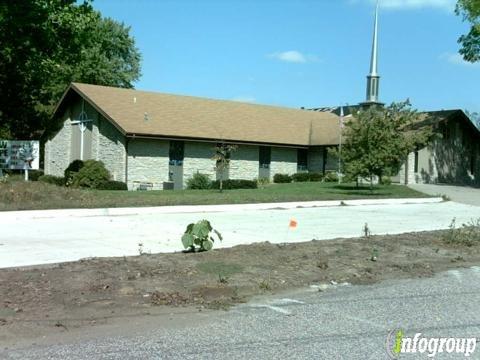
[{"x": 19, "y": 155}]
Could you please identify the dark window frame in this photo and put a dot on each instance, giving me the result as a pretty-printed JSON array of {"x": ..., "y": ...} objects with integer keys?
[
  {"x": 302, "y": 159},
  {"x": 264, "y": 157},
  {"x": 176, "y": 152}
]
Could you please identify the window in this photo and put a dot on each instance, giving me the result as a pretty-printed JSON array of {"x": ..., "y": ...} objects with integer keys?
[
  {"x": 176, "y": 152},
  {"x": 265, "y": 157},
  {"x": 302, "y": 160},
  {"x": 416, "y": 162}
]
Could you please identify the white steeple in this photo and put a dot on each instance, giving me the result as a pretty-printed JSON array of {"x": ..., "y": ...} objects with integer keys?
[{"x": 373, "y": 79}]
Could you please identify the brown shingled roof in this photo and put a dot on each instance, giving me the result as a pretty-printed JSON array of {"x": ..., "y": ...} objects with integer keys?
[{"x": 142, "y": 113}]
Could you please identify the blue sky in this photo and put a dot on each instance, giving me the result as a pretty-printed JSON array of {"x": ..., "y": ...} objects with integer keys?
[{"x": 300, "y": 52}]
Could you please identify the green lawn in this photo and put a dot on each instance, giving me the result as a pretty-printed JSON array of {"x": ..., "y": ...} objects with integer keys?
[{"x": 36, "y": 195}]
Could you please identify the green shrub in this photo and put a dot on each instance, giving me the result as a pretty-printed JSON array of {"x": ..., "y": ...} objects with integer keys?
[
  {"x": 33, "y": 175},
  {"x": 91, "y": 175},
  {"x": 386, "y": 180},
  {"x": 282, "y": 178},
  {"x": 71, "y": 170},
  {"x": 231, "y": 184},
  {"x": 314, "y": 176},
  {"x": 330, "y": 176},
  {"x": 199, "y": 235},
  {"x": 50, "y": 179},
  {"x": 112, "y": 185},
  {"x": 301, "y": 177},
  {"x": 199, "y": 182}
]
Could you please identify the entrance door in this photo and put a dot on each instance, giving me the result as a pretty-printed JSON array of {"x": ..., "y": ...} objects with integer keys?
[{"x": 175, "y": 168}]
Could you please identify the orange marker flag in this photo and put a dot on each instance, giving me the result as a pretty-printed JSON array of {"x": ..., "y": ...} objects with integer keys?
[{"x": 293, "y": 224}]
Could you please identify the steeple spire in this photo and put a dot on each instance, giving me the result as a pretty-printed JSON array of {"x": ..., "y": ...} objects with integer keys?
[{"x": 373, "y": 79}]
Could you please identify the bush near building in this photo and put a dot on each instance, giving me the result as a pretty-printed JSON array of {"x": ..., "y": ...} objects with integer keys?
[
  {"x": 91, "y": 175},
  {"x": 199, "y": 181},
  {"x": 282, "y": 178},
  {"x": 112, "y": 185},
  {"x": 235, "y": 184},
  {"x": 50, "y": 179}
]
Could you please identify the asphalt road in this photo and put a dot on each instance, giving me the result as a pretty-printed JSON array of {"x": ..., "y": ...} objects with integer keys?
[
  {"x": 30, "y": 241},
  {"x": 342, "y": 322}
]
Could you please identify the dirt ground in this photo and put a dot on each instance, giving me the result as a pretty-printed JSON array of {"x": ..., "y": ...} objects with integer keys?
[{"x": 40, "y": 301}]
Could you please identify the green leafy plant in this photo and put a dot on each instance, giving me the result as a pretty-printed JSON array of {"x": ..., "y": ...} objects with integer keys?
[
  {"x": 91, "y": 175},
  {"x": 282, "y": 178},
  {"x": 199, "y": 181},
  {"x": 199, "y": 236}
]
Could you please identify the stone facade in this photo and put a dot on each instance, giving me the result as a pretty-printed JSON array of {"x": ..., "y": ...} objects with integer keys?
[
  {"x": 284, "y": 161},
  {"x": 198, "y": 158},
  {"x": 57, "y": 149},
  {"x": 110, "y": 148},
  {"x": 244, "y": 163},
  {"x": 147, "y": 163}
]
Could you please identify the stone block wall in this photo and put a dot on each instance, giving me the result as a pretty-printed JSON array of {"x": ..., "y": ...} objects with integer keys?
[
  {"x": 198, "y": 158},
  {"x": 284, "y": 161},
  {"x": 147, "y": 162},
  {"x": 244, "y": 163},
  {"x": 57, "y": 149}
]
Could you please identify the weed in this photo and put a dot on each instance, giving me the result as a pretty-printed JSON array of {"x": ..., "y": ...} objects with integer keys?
[
  {"x": 140, "y": 249},
  {"x": 366, "y": 231},
  {"x": 264, "y": 285},
  {"x": 466, "y": 235},
  {"x": 375, "y": 254}
]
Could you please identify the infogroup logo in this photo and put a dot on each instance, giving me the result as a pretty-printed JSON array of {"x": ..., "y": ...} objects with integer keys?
[{"x": 397, "y": 344}]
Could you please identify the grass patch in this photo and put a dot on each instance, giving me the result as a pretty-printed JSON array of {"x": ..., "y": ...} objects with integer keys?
[
  {"x": 219, "y": 268},
  {"x": 19, "y": 195}
]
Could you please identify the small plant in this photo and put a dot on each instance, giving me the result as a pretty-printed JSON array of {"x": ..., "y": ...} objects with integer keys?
[
  {"x": 282, "y": 178},
  {"x": 366, "y": 231},
  {"x": 445, "y": 198},
  {"x": 140, "y": 249},
  {"x": 199, "y": 181},
  {"x": 374, "y": 256},
  {"x": 466, "y": 235},
  {"x": 4, "y": 179},
  {"x": 199, "y": 236},
  {"x": 264, "y": 285}
]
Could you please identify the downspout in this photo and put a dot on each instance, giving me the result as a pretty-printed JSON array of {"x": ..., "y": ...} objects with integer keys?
[{"x": 127, "y": 141}]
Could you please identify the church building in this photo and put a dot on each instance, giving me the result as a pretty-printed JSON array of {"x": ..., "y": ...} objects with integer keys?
[{"x": 158, "y": 141}]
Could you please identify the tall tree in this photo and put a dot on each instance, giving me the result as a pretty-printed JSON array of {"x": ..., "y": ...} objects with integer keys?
[
  {"x": 46, "y": 44},
  {"x": 470, "y": 43},
  {"x": 379, "y": 139}
]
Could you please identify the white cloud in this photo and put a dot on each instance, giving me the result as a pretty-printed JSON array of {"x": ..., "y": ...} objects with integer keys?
[
  {"x": 457, "y": 59},
  {"x": 293, "y": 56},
  {"x": 448, "y": 5},
  {"x": 244, "y": 98}
]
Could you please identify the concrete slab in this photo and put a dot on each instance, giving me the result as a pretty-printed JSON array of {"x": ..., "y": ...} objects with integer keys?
[{"x": 30, "y": 241}]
